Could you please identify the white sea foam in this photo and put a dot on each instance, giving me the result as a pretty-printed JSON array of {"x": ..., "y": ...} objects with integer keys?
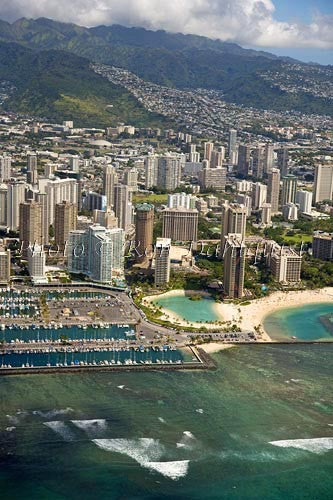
[
  {"x": 94, "y": 427},
  {"x": 146, "y": 452},
  {"x": 174, "y": 470},
  {"x": 120, "y": 386},
  {"x": 199, "y": 410},
  {"x": 60, "y": 428},
  {"x": 316, "y": 445},
  {"x": 53, "y": 413},
  {"x": 142, "y": 450},
  {"x": 331, "y": 425},
  {"x": 10, "y": 429},
  {"x": 162, "y": 420},
  {"x": 187, "y": 441},
  {"x": 12, "y": 419}
]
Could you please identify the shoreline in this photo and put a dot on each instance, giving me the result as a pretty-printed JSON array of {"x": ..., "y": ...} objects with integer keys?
[{"x": 250, "y": 316}]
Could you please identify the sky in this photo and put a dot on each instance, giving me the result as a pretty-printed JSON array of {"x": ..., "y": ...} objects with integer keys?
[{"x": 297, "y": 28}]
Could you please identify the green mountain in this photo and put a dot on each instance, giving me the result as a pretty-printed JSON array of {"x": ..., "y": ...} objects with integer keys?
[
  {"x": 249, "y": 77},
  {"x": 58, "y": 86}
]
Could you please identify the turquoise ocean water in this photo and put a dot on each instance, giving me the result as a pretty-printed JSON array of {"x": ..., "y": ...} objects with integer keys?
[
  {"x": 174, "y": 435},
  {"x": 302, "y": 322},
  {"x": 190, "y": 310}
]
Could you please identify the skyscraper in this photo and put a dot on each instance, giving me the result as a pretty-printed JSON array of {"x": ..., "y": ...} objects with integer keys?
[
  {"x": 74, "y": 162},
  {"x": 5, "y": 168},
  {"x": 3, "y": 205},
  {"x": 243, "y": 165},
  {"x": 31, "y": 230},
  {"x": 259, "y": 195},
  {"x": 273, "y": 190},
  {"x": 123, "y": 205},
  {"x": 169, "y": 173},
  {"x": 65, "y": 221},
  {"x": 151, "y": 168},
  {"x": 162, "y": 261},
  {"x": 15, "y": 196},
  {"x": 266, "y": 214},
  {"x": 284, "y": 263},
  {"x": 4, "y": 265},
  {"x": 131, "y": 178},
  {"x": 36, "y": 263},
  {"x": 109, "y": 182},
  {"x": 268, "y": 158},
  {"x": 322, "y": 245},
  {"x": 232, "y": 144},
  {"x": 144, "y": 226},
  {"x": 42, "y": 199},
  {"x": 233, "y": 221},
  {"x": 32, "y": 171},
  {"x": 180, "y": 224},
  {"x": 283, "y": 160},
  {"x": 258, "y": 162},
  {"x": 304, "y": 200},
  {"x": 234, "y": 266},
  {"x": 289, "y": 188},
  {"x": 213, "y": 178},
  {"x": 208, "y": 149},
  {"x": 323, "y": 183}
]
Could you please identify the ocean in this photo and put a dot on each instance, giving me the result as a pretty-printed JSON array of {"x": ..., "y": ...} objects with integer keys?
[{"x": 259, "y": 427}]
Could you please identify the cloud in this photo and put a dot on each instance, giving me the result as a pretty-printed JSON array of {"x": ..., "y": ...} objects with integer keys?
[{"x": 249, "y": 22}]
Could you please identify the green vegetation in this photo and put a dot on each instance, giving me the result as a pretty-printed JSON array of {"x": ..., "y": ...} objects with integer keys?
[
  {"x": 316, "y": 273},
  {"x": 175, "y": 60},
  {"x": 195, "y": 298},
  {"x": 62, "y": 86},
  {"x": 150, "y": 198}
]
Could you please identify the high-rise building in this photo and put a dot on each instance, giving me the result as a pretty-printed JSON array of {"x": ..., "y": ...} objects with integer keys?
[
  {"x": 168, "y": 173},
  {"x": 232, "y": 145},
  {"x": 283, "y": 161},
  {"x": 268, "y": 158},
  {"x": 162, "y": 261},
  {"x": 36, "y": 263},
  {"x": 289, "y": 188},
  {"x": 259, "y": 195},
  {"x": 42, "y": 199},
  {"x": 322, "y": 245},
  {"x": 246, "y": 200},
  {"x": 304, "y": 201},
  {"x": 3, "y": 205},
  {"x": 213, "y": 178},
  {"x": 284, "y": 263},
  {"x": 4, "y": 265},
  {"x": 233, "y": 221},
  {"x": 31, "y": 230},
  {"x": 144, "y": 227},
  {"x": 290, "y": 212},
  {"x": 258, "y": 162},
  {"x": 110, "y": 179},
  {"x": 266, "y": 214},
  {"x": 95, "y": 201},
  {"x": 273, "y": 189},
  {"x": 32, "y": 170},
  {"x": 123, "y": 205},
  {"x": 151, "y": 169},
  {"x": 323, "y": 183},
  {"x": 57, "y": 191},
  {"x": 234, "y": 266},
  {"x": 5, "y": 168},
  {"x": 97, "y": 252},
  {"x": 243, "y": 164},
  {"x": 74, "y": 163},
  {"x": 15, "y": 196},
  {"x": 106, "y": 218},
  {"x": 180, "y": 224},
  {"x": 131, "y": 178},
  {"x": 65, "y": 221},
  {"x": 181, "y": 200},
  {"x": 208, "y": 149}
]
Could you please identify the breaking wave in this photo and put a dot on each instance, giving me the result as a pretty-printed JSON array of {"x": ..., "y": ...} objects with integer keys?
[
  {"x": 52, "y": 413},
  {"x": 317, "y": 445},
  {"x": 94, "y": 427},
  {"x": 60, "y": 428}
]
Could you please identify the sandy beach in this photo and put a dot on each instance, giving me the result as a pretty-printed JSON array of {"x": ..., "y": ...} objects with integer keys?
[
  {"x": 249, "y": 316},
  {"x": 215, "y": 347}
]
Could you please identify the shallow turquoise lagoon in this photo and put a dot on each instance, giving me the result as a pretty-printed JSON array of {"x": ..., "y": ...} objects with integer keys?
[
  {"x": 190, "y": 310},
  {"x": 301, "y": 322}
]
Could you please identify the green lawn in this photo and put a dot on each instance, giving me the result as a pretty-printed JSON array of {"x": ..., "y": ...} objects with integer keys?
[
  {"x": 150, "y": 198},
  {"x": 298, "y": 238}
]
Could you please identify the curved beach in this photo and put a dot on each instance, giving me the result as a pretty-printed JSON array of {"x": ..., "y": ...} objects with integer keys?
[{"x": 249, "y": 316}]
